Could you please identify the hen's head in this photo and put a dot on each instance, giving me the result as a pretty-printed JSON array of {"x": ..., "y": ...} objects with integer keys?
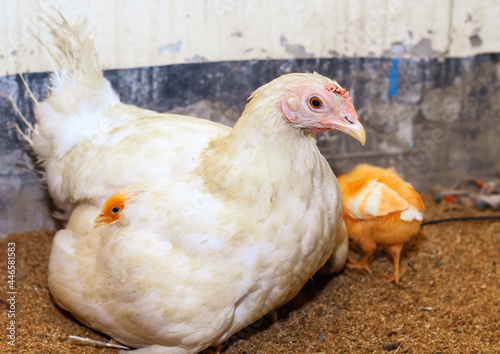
[
  {"x": 112, "y": 208},
  {"x": 314, "y": 102}
]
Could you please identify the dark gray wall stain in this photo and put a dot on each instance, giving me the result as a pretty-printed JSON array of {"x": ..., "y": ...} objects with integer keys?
[{"x": 434, "y": 120}]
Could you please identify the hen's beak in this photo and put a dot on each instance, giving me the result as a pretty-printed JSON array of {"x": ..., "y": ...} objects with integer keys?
[
  {"x": 102, "y": 218},
  {"x": 349, "y": 124},
  {"x": 354, "y": 128}
]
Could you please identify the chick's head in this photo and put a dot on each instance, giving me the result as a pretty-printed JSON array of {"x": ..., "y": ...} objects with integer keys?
[{"x": 112, "y": 209}]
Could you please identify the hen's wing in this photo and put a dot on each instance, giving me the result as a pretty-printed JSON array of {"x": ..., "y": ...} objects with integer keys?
[{"x": 156, "y": 146}]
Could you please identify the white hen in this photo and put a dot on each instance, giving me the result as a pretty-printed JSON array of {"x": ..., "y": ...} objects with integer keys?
[
  {"x": 241, "y": 219},
  {"x": 192, "y": 262}
]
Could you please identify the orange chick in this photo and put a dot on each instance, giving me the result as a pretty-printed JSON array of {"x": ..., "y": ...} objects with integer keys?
[
  {"x": 379, "y": 208},
  {"x": 112, "y": 209}
]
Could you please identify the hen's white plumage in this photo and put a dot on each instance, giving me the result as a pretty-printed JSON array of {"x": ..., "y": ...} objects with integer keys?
[
  {"x": 185, "y": 269},
  {"x": 235, "y": 223}
]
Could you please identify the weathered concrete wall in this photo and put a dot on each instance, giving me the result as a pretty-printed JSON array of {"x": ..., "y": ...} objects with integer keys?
[
  {"x": 435, "y": 121},
  {"x": 151, "y": 33},
  {"x": 422, "y": 81}
]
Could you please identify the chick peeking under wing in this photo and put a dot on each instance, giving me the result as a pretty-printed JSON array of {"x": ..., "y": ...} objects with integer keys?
[{"x": 379, "y": 208}]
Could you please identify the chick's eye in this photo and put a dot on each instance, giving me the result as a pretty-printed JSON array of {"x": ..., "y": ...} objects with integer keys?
[
  {"x": 315, "y": 102},
  {"x": 115, "y": 210}
]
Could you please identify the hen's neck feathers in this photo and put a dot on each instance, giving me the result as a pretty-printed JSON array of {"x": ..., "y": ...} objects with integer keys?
[{"x": 261, "y": 156}]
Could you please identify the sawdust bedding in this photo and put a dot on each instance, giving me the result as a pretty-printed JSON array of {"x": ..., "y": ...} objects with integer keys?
[{"x": 447, "y": 302}]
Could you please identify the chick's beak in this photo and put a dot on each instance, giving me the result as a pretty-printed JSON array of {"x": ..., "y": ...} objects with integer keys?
[{"x": 102, "y": 218}]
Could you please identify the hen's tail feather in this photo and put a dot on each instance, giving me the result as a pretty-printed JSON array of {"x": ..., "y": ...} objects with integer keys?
[
  {"x": 26, "y": 136},
  {"x": 74, "y": 110},
  {"x": 30, "y": 93},
  {"x": 72, "y": 51}
]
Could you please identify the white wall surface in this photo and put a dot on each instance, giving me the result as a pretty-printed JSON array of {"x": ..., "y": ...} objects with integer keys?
[{"x": 133, "y": 33}]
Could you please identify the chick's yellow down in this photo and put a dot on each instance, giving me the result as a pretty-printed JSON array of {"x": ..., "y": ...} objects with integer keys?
[{"x": 379, "y": 207}]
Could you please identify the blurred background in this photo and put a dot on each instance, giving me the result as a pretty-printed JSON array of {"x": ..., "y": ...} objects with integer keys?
[{"x": 423, "y": 75}]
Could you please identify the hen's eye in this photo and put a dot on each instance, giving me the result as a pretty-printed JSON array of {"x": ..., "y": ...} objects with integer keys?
[
  {"x": 315, "y": 102},
  {"x": 115, "y": 210}
]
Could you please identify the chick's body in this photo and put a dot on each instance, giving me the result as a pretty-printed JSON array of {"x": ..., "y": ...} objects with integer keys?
[{"x": 379, "y": 208}]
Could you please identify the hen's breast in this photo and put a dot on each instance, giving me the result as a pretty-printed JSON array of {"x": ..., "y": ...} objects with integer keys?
[{"x": 293, "y": 241}]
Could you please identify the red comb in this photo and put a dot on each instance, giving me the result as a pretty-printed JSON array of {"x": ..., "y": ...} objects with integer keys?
[{"x": 342, "y": 92}]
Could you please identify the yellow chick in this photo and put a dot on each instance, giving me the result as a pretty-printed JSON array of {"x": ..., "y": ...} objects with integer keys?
[{"x": 379, "y": 207}]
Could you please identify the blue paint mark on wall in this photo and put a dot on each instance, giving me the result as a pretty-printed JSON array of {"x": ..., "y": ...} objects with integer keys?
[
  {"x": 393, "y": 78},
  {"x": 171, "y": 47}
]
